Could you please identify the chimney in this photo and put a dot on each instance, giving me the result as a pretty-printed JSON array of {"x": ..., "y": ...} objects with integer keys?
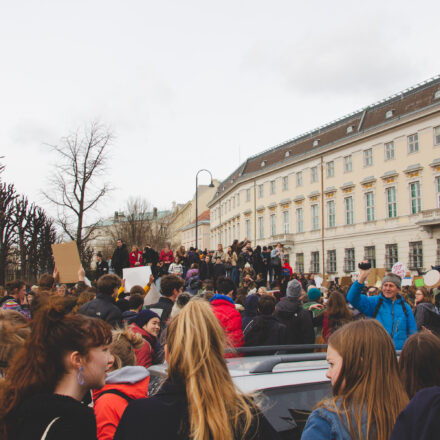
[{"x": 116, "y": 217}]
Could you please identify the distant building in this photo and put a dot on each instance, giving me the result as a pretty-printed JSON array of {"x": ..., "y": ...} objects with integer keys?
[
  {"x": 364, "y": 186},
  {"x": 204, "y": 236}
]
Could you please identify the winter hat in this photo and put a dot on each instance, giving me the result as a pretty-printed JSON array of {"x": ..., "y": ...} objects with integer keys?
[
  {"x": 314, "y": 293},
  {"x": 144, "y": 316},
  {"x": 392, "y": 278},
  {"x": 294, "y": 289}
]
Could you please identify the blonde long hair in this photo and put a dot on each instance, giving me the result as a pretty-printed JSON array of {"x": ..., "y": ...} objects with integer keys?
[
  {"x": 369, "y": 379},
  {"x": 196, "y": 344}
]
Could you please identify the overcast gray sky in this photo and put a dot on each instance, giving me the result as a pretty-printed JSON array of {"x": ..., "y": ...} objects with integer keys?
[{"x": 195, "y": 84}]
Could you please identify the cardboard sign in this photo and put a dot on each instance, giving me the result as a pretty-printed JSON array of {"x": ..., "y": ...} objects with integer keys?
[
  {"x": 372, "y": 275},
  {"x": 67, "y": 261},
  {"x": 418, "y": 282},
  {"x": 380, "y": 272},
  {"x": 136, "y": 276},
  {"x": 399, "y": 269},
  {"x": 345, "y": 281}
]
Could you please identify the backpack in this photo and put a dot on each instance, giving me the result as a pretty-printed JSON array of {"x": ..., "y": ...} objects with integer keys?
[{"x": 117, "y": 392}]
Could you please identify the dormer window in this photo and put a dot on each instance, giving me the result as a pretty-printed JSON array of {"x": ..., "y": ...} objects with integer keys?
[
  {"x": 389, "y": 114},
  {"x": 350, "y": 129},
  {"x": 263, "y": 164},
  {"x": 437, "y": 94},
  {"x": 316, "y": 142},
  {"x": 232, "y": 180},
  {"x": 287, "y": 154}
]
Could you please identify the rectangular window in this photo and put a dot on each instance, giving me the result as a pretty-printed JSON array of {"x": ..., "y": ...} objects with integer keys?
[
  {"x": 260, "y": 191},
  {"x": 437, "y": 135},
  {"x": 370, "y": 255},
  {"x": 233, "y": 233},
  {"x": 299, "y": 220},
  {"x": 331, "y": 261},
  {"x": 286, "y": 222},
  {"x": 389, "y": 151},
  {"x": 415, "y": 255},
  {"x": 248, "y": 229},
  {"x": 314, "y": 174},
  {"x": 299, "y": 263},
  {"x": 272, "y": 187},
  {"x": 331, "y": 214},
  {"x": 349, "y": 260},
  {"x": 348, "y": 203},
  {"x": 315, "y": 217},
  {"x": 299, "y": 178},
  {"x": 391, "y": 256},
  {"x": 413, "y": 143},
  {"x": 348, "y": 164},
  {"x": 248, "y": 195},
  {"x": 416, "y": 200},
  {"x": 369, "y": 202},
  {"x": 314, "y": 264},
  {"x": 285, "y": 183},
  {"x": 260, "y": 227},
  {"x": 233, "y": 202},
  {"x": 330, "y": 169},
  {"x": 391, "y": 202},
  {"x": 437, "y": 261},
  {"x": 368, "y": 157},
  {"x": 437, "y": 188},
  {"x": 273, "y": 225},
  {"x": 238, "y": 231}
]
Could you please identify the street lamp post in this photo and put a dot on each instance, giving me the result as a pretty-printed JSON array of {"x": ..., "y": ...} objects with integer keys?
[{"x": 211, "y": 185}]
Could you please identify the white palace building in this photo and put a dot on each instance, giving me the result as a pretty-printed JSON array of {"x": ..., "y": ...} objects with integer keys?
[{"x": 366, "y": 185}]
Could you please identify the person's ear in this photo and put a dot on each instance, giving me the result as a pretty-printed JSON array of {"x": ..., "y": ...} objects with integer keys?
[{"x": 74, "y": 360}]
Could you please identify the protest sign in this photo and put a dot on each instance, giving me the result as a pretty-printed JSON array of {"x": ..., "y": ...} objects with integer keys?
[
  {"x": 399, "y": 269},
  {"x": 431, "y": 278},
  {"x": 136, "y": 276},
  {"x": 372, "y": 275},
  {"x": 345, "y": 281},
  {"x": 67, "y": 261},
  {"x": 318, "y": 281},
  {"x": 407, "y": 281},
  {"x": 418, "y": 281}
]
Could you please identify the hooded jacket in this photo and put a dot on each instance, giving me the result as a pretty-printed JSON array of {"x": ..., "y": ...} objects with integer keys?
[
  {"x": 265, "y": 330},
  {"x": 390, "y": 314},
  {"x": 109, "y": 407},
  {"x": 32, "y": 417},
  {"x": 230, "y": 319},
  {"x": 103, "y": 307}
]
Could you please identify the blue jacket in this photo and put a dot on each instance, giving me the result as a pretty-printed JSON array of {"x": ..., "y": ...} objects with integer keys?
[
  {"x": 390, "y": 315},
  {"x": 325, "y": 424}
]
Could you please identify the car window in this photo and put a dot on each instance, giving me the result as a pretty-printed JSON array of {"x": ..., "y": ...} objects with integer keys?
[{"x": 287, "y": 408}]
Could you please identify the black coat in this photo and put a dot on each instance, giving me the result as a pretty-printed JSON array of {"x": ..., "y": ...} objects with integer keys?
[
  {"x": 299, "y": 322},
  {"x": 150, "y": 256},
  {"x": 219, "y": 270},
  {"x": 265, "y": 330},
  {"x": 76, "y": 420},
  {"x": 163, "y": 308},
  {"x": 206, "y": 270},
  {"x": 165, "y": 416},
  {"x": 101, "y": 269},
  {"x": 120, "y": 258},
  {"x": 103, "y": 307}
]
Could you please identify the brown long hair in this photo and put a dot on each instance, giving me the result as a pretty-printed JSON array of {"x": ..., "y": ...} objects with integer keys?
[
  {"x": 419, "y": 362},
  {"x": 196, "y": 344},
  {"x": 39, "y": 365},
  {"x": 369, "y": 380},
  {"x": 338, "y": 313}
]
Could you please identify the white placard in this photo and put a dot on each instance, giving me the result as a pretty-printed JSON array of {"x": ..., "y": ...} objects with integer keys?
[
  {"x": 407, "y": 281},
  {"x": 136, "y": 276},
  {"x": 431, "y": 278},
  {"x": 318, "y": 281},
  {"x": 399, "y": 269},
  {"x": 152, "y": 296}
]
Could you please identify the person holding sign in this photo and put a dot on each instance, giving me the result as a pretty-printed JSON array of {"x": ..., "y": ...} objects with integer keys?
[{"x": 388, "y": 307}]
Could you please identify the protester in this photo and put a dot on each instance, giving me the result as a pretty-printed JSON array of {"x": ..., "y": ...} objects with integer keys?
[
  {"x": 219, "y": 270},
  {"x": 125, "y": 382},
  {"x": 190, "y": 404},
  {"x": 424, "y": 308},
  {"x": 176, "y": 267},
  {"x": 314, "y": 299},
  {"x": 223, "y": 306},
  {"x": 62, "y": 359},
  {"x": 101, "y": 266},
  {"x": 135, "y": 304},
  {"x": 276, "y": 260},
  {"x": 135, "y": 257},
  {"x": 147, "y": 324},
  {"x": 120, "y": 258},
  {"x": 219, "y": 253},
  {"x": 388, "y": 307},
  {"x": 166, "y": 256},
  {"x": 367, "y": 392},
  {"x": 16, "y": 298},
  {"x": 103, "y": 306},
  {"x": 250, "y": 309},
  {"x": 298, "y": 321},
  {"x": 206, "y": 271}
]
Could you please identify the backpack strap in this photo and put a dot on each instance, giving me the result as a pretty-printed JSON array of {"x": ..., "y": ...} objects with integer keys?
[
  {"x": 43, "y": 437},
  {"x": 379, "y": 305},
  {"x": 117, "y": 392}
]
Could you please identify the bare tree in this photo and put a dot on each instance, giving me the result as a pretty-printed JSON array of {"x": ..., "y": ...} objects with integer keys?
[
  {"x": 2, "y": 167},
  {"x": 76, "y": 186}
]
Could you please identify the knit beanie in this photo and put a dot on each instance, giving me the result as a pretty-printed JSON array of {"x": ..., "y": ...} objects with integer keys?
[
  {"x": 144, "y": 316},
  {"x": 313, "y": 294},
  {"x": 392, "y": 278},
  {"x": 294, "y": 289}
]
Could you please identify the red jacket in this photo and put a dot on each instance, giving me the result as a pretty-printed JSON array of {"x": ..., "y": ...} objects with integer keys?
[
  {"x": 144, "y": 355},
  {"x": 135, "y": 257},
  {"x": 166, "y": 258},
  {"x": 288, "y": 267},
  {"x": 229, "y": 318},
  {"x": 133, "y": 382}
]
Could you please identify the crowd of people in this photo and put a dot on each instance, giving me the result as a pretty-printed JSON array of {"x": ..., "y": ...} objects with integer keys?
[{"x": 74, "y": 359}]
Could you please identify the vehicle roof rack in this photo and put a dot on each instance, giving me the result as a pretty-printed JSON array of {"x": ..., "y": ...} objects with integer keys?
[
  {"x": 268, "y": 365},
  {"x": 275, "y": 348}
]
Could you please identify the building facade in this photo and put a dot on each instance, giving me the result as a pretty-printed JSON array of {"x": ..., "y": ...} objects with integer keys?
[{"x": 365, "y": 186}]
